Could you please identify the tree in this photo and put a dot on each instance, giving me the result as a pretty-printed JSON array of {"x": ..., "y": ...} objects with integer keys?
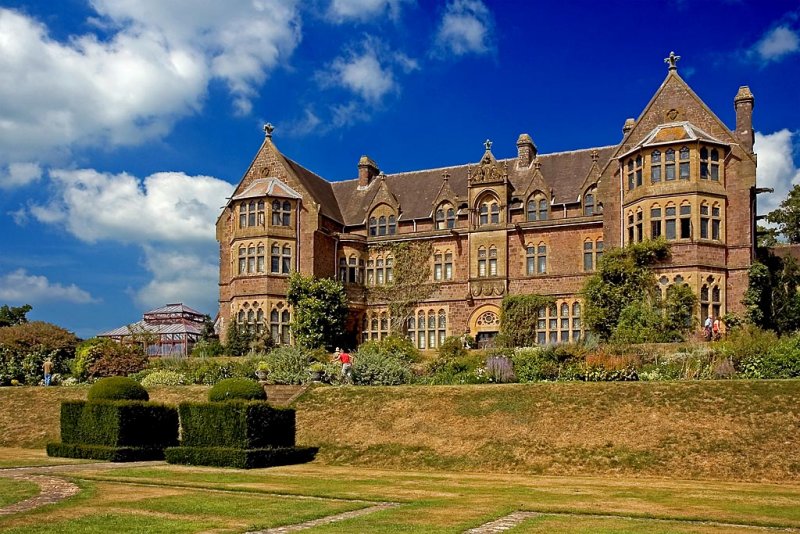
[
  {"x": 410, "y": 282},
  {"x": 9, "y": 316},
  {"x": 238, "y": 339},
  {"x": 787, "y": 216},
  {"x": 772, "y": 300},
  {"x": 622, "y": 278},
  {"x": 766, "y": 237},
  {"x": 25, "y": 346},
  {"x": 319, "y": 311}
]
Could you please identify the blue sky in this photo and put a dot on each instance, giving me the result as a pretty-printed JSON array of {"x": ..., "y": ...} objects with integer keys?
[{"x": 124, "y": 124}]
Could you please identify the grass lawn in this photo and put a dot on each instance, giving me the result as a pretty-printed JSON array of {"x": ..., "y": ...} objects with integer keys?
[
  {"x": 164, "y": 498},
  {"x": 12, "y": 491}
]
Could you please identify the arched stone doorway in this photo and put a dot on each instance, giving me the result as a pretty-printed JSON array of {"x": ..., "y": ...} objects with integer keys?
[{"x": 484, "y": 325}]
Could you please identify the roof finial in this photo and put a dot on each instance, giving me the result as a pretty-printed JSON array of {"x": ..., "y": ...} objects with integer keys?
[
  {"x": 672, "y": 61},
  {"x": 488, "y": 145},
  {"x": 595, "y": 155},
  {"x": 268, "y": 129},
  {"x": 445, "y": 175}
]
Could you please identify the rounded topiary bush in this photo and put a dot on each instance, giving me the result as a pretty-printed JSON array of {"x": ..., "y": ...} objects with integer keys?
[
  {"x": 236, "y": 389},
  {"x": 117, "y": 388}
]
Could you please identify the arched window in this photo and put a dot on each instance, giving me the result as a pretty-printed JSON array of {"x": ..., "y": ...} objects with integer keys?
[
  {"x": 442, "y": 327},
  {"x": 531, "y": 212},
  {"x": 631, "y": 176},
  {"x": 251, "y": 321},
  {"x": 260, "y": 213},
  {"x": 251, "y": 213},
  {"x": 421, "y": 330},
  {"x": 704, "y": 163},
  {"x": 451, "y": 218},
  {"x": 588, "y": 203},
  {"x": 440, "y": 222},
  {"x": 279, "y": 322},
  {"x": 488, "y": 211},
  {"x": 576, "y": 321},
  {"x": 482, "y": 262},
  {"x": 684, "y": 163},
  {"x": 631, "y": 228},
  {"x": 343, "y": 269},
  {"x": 543, "y": 209},
  {"x": 564, "y": 320},
  {"x": 280, "y": 259},
  {"x": 655, "y": 221},
  {"x": 714, "y": 164},
  {"x": 705, "y": 221},
  {"x": 382, "y": 225},
  {"x": 392, "y": 225},
  {"x": 639, "y": 170},
  {"x": 655, "y": 166},
  {"x": 242, "y": 260},
  {"x": 536, "y": 259},
  {"x": 260, "y": 321},
  {"x": 670, "y": 222},
  {"x": 373, "y": 226},
  {"x": 537, "y": 207},
  {"x": 686, "y": 220},
  {"x": 240, "y": 317},
  {"x": 431, "y": 329},
  {"x": 588, "y": 255},
  {"x": 492, "y": 261},
  {"x": 716, "y": 222},
  {"x": 251, "y": 259},
  {"x": 669, "y": 166}
]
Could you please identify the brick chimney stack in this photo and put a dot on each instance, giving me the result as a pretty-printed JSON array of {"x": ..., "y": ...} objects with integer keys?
[
  {"x": 526, "y": 150},
  {"x": 744, "y": 103},
  {"x": 367, "y": 170}
]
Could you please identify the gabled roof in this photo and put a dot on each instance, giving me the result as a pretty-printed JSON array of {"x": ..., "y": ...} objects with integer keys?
[
  {"x": 319, "y": 188},
  {"x": 141, "y": 327},
  {"x": 268, "y": 187},
  {"x": 563, "y": 172}
]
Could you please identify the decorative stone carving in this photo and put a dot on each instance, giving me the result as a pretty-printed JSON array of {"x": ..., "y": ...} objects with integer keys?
[{"x": 488, "y": 318}]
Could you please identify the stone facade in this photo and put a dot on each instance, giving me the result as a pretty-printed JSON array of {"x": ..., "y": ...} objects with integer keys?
[{"x": 537, "y": 223}]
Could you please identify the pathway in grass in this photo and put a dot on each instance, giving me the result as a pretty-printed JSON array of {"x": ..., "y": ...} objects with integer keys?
[
  {"x": 549, "y": 521},
  {"x": 326, "y": 520}
]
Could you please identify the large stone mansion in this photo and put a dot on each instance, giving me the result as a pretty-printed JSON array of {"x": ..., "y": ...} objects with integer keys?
[{"x": 537, "y": 223}]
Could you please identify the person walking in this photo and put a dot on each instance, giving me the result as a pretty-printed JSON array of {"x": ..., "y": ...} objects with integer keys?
[
  {"x": 347, "y": 364},
  {"x": 715, "y": 330},
  {"x": 707, "y": 328},
  {"x": 47, "y": 367}
]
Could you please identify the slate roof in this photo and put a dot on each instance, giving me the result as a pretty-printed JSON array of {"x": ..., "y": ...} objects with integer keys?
[
  {"x": 563, "y": 172},
  {"x": 319, "y": 188},
  {"x": 675, "y": 131},
  {"x": 173, "y": 308}
]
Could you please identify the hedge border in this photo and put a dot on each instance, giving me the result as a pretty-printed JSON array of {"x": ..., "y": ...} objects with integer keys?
[
  {"x": 240, "y": 458},
  {"x": 103, "y": 452}
]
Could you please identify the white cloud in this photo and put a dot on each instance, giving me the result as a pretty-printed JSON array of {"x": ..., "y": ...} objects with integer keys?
[
  {"x": 19, "y": 174},
  {"x": 170, "y": 215},
  {"x": 19, "y": 286},
  {"x": 362, "y": 73},
  {"x": 776, "y": 167},
  {"x": 362, "y": 10},
  {"x": 776, "y": 44},
  {"x": 467, "y": 27},
  {"x": 152, "y": 66}
]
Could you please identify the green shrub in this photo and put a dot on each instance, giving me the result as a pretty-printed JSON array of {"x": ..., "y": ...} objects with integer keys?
[
  {"x": 207, "y": 371},
  {"x": 207, "y": 349},
  {"x": 383, "y": 363},
  {"x": 24, "y": 348},
  {"x": 118, "y": 359},
  {"x": 240, "y": 458},
  {"x": 452, "y": 348},
  {"x": 288, "y": 365},
  {"x": 236, "y": 424},
  {"x": 119, "y": 424},
  {"x": 86, "y": 354},
  {"x": 117, "y": 388},
  {"x": 163, "y": 377},
  {"x": 236, "y": 389},
  {"x": 464, "y": 369},
  {"x": 534, "y": 364}
]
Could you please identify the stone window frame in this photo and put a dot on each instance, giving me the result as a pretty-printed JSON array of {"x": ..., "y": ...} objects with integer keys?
[
  {"x": 251, "y": 317},
  {"x": 382, "y": 221},
  {"x": 488, "y": 209},
  {"x": 656, "y": 220},
  {"x": 684, "y": 163},
  {"x": 442, "y": 265},
  {"x": 536, "y": 259},
  {"x": 592, "y": 253},
  {"x": 380, "y": 270},
  {"x": 280, "y": 319},
  {"x": 445, "y": 216},
  {"x": 686, "y": 225},
  {"x": 351, "y": 269},
  {"x": 554, "y": 326},
  {"x": 589, "y": 202},
  {"x": 656, "y": 169},
  {"x": 280, "y": 258},
  {"x": 536, "y": 207},
  {"x": 251, "y": 213},
  {"x": 427, "y": 328},
  {"x": 710, "y": 299},
  {"x": 281, "y": 213},
  {"x": 375, "y": 325},
  {"x": 250, "y": 258},
  {"x": 710, "y": 168}
]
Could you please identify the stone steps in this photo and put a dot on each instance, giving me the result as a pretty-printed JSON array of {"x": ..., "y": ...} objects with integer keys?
[{"x": 284, "y": 395}]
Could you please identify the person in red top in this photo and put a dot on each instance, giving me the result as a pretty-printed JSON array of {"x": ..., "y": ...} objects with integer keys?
[{"x": 347, "y": 364}]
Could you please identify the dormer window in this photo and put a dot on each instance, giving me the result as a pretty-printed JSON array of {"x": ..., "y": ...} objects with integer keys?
[
  {"x": 251, "y": 214},
  {"x": 669, "y": 166},
  {"x": 588, "y": 202},
  {"x": 445, "y": 217},
  {"x": 382, "y": 222},
  {"x": 537, "y": 208},
  {"x": 488, "y": 211},
  {"x": 655, "y": 166}
]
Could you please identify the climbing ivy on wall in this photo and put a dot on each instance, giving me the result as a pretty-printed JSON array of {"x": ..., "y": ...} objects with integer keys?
[
  {"x": 518, "y": 318},
  {"x": 411, "y": 282}
]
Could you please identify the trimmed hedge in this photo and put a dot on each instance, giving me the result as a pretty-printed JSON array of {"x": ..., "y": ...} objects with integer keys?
[
  {"x": 117, "y": 388},
  {"x": 237, "y": 389},
  {"x": 236, "y": 424},
  {"x": 117, "y": 431},
  {"x": 103, "y": 452},
  {"x": 240, "y": 458},
  {"x": 119, "y": 424}
]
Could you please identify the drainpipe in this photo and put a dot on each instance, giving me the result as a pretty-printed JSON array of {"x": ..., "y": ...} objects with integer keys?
[
  {"x": 621, "y": 207},
  {"x": 297, "y": 238}
]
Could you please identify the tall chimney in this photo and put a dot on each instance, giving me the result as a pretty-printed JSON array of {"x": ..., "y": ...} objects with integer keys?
[
  {"x": 367, "y": 170},
  {"x": 526, "y": 150},
  {"x": 744, "y": 103}
]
